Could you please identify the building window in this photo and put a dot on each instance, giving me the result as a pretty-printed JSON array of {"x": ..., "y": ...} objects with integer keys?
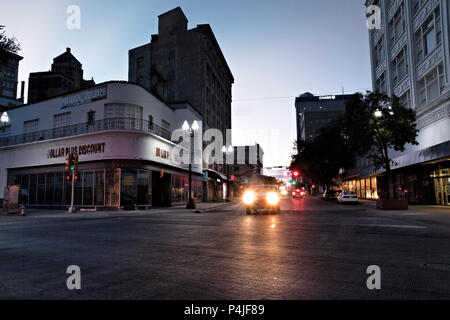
[
  {"x": 172, "y": 74},
  {"x": 400, "y": 67},
  {"x": 121, "y": 111},
  {"x": 428, "y": 36},
  {"x": 172, "y": 54},
  {"x": 140, "y": 62},
  {"x": 431, "y": 85},
  {"x": 150, "y": 122},
  {"x": 91, "y": 117},
  {"x": 61, "y": 120},
  {"x": 381, "y": 84},
  {"x": 165, "y": 124},
  {"x": 405, "y": 99},
  {"x": 8, "y": 93},
  {"x": 379, "y": 51},
  {"x": 397, "y": 24},
  {"x": 30, "y": 126},
  {"x": 417, "y": 5}
]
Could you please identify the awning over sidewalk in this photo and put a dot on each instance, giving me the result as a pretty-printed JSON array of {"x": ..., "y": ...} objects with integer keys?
[{"x": 216, "y": 174}]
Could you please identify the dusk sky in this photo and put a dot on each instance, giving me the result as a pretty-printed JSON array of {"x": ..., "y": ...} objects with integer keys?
[{"x": 275, "y": 49}]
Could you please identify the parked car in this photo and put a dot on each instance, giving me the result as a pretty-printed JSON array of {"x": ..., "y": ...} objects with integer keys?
[
  {"x": 330, "y": 195},
  {"x": 265, "y": 197},
  {"x": 347, "y": 197}
]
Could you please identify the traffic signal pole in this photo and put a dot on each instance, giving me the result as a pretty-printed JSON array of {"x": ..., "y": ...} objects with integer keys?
[{"x": 72, "y": 209}]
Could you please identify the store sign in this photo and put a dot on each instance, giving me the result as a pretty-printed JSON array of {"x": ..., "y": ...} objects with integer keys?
[
  {"x": 84, "y": 149},
  {"x": 161, "y": 153},
  {"x": 83, "y": 97},
  {"x": 327, "y": 98}
]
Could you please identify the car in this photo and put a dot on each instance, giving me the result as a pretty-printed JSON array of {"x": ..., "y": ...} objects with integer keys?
[
  {"x": 330, "y": 195},
  {"x": 298, "y": 194},
  {"x": 262, "y": 197},
  {"x": 347, "y": 197}
]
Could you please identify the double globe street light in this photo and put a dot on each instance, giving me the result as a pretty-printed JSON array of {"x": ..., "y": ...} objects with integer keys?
[{"x": 190, "y": 130}]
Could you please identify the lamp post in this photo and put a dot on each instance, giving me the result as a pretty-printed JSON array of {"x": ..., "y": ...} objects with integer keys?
[
  {"x": 190, "y": 130},
  {"x": 226, "y": 152},
  {"x": 4, "y": 120}
]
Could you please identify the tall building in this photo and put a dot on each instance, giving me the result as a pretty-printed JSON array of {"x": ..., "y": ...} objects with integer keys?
[
  {"x": 410, "y": 58},
  {"x": 315, "y": 112},
  {"x": 9, "y": 84},
  {"x": 66, "y": 75},
  {"x": 185, "y": 65},
  {"x": 248, "y": 163}
]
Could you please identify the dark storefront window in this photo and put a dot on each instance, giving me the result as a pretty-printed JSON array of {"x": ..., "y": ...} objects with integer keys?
[
  {"x": 33, "y": 189},
  {"x": 41, "y": 188},
  {"x": 143, "y": 188},
  {"x": 50, "y": 189},
  {"x": 24, "y": 185},
  {"x": 128, "y": 188},
  {"x": 59, "y": 182},
  {"x": 113, "y": 187},
  {"x": 88, "y": 188},
  {"x": 99, "y": 190}
]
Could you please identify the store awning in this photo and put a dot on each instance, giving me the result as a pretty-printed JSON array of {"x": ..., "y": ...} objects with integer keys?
[{"x": 216, "y": 174}]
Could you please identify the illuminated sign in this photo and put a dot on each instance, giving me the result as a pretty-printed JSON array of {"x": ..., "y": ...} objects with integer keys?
[
  {"x": 327, "y": 98},
  {"x": 83, "y": 97}
]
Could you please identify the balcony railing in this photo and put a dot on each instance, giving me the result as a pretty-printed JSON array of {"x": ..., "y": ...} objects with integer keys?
[{"x": 127, "y": 124}]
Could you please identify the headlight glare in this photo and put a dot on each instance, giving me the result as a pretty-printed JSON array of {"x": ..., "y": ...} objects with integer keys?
[
  {"x": 272, "y": 198},
  {"x": 249, "y": 197}
]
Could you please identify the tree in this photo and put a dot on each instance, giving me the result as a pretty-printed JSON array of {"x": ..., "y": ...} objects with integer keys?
[
  {"x": 375, "y": 123},
  {"x": 8, "y": 46},
  {"x": 321, "y": 160}
]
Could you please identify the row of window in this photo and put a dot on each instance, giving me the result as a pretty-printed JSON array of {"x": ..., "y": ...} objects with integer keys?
[
  {"x": 429, "y": 87},
  {"x": 112, "y": 111},
  {"x": 426, "y": 38},
  {"x": 124, "y": 187},
  {"x": 8, "y": 84}
]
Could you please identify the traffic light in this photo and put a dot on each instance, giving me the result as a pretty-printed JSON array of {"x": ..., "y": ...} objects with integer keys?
[
  {"x": 68, "y": 175},
  {"x": 68, "y": 163},
  {"x": 296, "y": 173},
  {"x": 75, "y": 163},
  {"x": 294, "y": 183}
]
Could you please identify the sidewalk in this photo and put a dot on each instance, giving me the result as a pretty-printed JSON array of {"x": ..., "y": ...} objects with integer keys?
[
  {"x": 411, "y": 208},
  {"x": 202, "y": 207}
]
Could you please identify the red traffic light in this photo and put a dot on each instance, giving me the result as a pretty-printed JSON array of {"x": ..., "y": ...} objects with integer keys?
[{"x": 296, "y": 173}]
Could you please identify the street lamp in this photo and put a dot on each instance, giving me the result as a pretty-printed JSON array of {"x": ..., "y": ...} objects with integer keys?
[
  {"x": 226, "y": 152},
  {"x": 4, "y": 120},
  {"x": 190, "y": 130}
]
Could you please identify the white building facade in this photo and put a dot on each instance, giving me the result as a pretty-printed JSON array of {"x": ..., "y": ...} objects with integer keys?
[
  {"x": 410, "y": 58},
  {"x": 122, "y": 135}
]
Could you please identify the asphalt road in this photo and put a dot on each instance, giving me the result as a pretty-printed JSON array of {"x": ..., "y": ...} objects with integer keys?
[{"x": 312, "y": 250}]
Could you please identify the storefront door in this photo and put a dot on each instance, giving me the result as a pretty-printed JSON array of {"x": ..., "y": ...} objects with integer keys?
[{"x": 442, "y": 190}]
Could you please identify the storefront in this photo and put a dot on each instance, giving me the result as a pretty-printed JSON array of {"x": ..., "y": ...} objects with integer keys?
[{"x": 125, "y": 162}]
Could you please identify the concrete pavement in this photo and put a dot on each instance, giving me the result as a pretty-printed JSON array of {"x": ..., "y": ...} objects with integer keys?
[{"x": 312, "y": 250}]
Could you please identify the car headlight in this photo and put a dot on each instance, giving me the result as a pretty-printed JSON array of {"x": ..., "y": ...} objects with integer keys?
[
  {"x": 272, "y": 198},
  {"x": 249, "y": 197}
]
